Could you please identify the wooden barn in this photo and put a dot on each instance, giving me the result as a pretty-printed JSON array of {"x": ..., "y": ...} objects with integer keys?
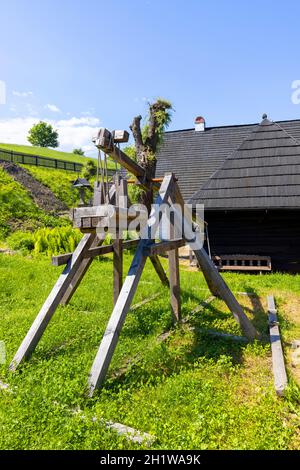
[{"x": 248, "y": 178}]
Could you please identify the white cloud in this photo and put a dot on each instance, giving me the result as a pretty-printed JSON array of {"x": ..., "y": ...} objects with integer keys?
[
  {"x": 23, "y": 94},
  {"x": 53, "y": 108},
  {"x": 73, "y": 132}
]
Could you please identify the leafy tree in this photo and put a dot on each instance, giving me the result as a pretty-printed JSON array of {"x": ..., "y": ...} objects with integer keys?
[
  {"x": 42, "y": 134},
  {"x": 89, "y": 169},
  {"x": 78, "y": 151},
  {"x": 148, "y": 139}
]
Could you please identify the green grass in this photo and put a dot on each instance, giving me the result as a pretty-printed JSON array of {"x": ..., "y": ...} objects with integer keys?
[{"x": 190, "y": 391}]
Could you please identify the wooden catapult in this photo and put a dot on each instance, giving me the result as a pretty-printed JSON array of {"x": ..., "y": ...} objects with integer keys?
[{"x": 113, "y": 202}]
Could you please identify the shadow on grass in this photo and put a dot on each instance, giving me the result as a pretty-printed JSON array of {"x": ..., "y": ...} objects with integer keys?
[{"x": 185, "y": 344}]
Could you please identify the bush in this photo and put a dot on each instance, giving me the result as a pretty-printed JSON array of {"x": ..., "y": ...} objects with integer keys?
[{"x": 46, "y": 241}]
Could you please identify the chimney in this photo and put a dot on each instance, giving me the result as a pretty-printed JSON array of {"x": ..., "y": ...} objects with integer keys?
[{"x": 199, "y": 124}]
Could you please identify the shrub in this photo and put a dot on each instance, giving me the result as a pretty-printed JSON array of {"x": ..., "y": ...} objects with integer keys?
[{"x": 46, "y": 241}]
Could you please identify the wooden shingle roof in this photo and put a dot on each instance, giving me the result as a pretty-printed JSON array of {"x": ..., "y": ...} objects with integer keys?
[
  {"x": 263, "y": 173},
  {"x": 195, "y": 156}
]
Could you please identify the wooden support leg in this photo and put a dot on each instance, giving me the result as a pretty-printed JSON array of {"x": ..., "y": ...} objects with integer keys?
[
  {"x": 111, "y": 335},
  {"x": 40, "y": 323},
  {"x": 79, "y": 274},
  {"x": 118, "y": 267},
  {"x": 159, "y": 269},
  {"x": 175, "y": 284}
]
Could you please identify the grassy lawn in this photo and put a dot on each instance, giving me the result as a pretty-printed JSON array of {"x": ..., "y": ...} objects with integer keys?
[{"x": 189, "y": 390}]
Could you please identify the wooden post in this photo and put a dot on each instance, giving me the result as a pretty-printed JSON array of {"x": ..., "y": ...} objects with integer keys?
[
  {"x": 215, "y": 281},
  {"x": 40, "y": 323},
  {"x": 280, "y": 377}
]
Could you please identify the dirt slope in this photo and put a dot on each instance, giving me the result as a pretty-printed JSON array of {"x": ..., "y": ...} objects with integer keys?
[{"x": 42, "y": 196}]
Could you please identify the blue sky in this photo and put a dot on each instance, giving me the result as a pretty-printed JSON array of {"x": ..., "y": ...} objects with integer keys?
[{"x": 82, "y": 64}]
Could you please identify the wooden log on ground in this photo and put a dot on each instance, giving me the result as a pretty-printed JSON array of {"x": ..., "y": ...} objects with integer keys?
[
  {"x": 279, "y": 371},
  {"x": 40, "y": 323}
]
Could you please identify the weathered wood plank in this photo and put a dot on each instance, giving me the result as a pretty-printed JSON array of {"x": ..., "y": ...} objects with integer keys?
[
  {"x": 279, "y": 371},
  {"x": 159, "y": 270},
  {"x": 40, "y": 323},
  {"x": 80, "y": 272}
]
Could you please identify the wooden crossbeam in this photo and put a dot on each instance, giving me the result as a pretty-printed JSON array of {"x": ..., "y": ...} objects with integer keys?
[
  {"x": 280, "y": 377},
  {"x": 164, "y": 246}
]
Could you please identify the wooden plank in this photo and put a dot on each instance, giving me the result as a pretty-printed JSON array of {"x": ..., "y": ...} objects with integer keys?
[
  {"x": 117, "y": 267},
  {"x": 279, "y": 371},
  {"x": 214, "y": 280},
  {"x": 175, "y": 298},
  {"x": 40, "y": 323},
  {"x": 159, "y": 270}
]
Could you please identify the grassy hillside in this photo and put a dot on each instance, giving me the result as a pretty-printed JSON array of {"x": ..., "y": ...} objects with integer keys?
[{"x": 189, "y": 390}]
